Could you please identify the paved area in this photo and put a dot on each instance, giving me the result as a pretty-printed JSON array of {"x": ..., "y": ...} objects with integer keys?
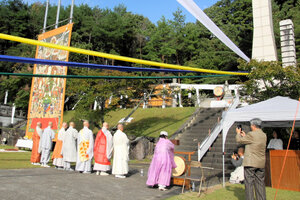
[{"x": 49, "y": 183}]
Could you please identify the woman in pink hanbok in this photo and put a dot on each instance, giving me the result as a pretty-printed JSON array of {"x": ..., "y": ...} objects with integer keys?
[{"x": 160, "y": 170}]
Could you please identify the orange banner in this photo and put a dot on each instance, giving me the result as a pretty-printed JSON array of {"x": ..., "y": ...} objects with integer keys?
[{"x": 47, "y": 95}]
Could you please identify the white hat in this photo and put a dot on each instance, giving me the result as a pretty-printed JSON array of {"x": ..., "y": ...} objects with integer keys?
[{"x": 164, "y": 133}]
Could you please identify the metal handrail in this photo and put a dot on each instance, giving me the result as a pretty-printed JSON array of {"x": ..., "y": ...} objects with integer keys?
[{"x": 219, "y": 123}]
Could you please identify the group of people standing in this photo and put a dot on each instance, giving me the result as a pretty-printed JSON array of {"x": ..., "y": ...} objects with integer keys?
[
  {"x": 73, "y": 146},
  {"x": 79, "y": 147}
]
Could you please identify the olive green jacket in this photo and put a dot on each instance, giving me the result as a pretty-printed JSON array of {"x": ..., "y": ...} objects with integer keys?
[{"x": 255, "y": 148}]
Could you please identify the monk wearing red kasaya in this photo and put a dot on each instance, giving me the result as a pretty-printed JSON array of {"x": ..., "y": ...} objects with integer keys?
[{"x": 103, "y": 150}]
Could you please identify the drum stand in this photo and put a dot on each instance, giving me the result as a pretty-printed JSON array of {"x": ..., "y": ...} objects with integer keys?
[{"x": 181, "y": 180}]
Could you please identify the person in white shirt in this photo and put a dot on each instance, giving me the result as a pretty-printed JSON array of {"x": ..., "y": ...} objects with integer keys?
[{"x": 275, "y": 143}]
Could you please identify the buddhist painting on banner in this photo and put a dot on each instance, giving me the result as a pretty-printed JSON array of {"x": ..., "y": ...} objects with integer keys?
[{"x": 47, "y": 94}]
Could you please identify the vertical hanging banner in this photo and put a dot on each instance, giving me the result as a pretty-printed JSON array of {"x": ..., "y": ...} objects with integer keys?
[{"x": 46, "y": 103}]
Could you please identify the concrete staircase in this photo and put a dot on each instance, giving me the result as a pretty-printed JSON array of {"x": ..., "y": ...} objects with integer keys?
[{"x": 203, "y": 121}]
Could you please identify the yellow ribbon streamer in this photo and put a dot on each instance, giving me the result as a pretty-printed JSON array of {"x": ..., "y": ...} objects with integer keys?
[{"x": 114, "y": 57}]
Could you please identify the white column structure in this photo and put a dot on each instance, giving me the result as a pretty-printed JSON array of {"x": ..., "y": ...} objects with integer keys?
[
  {"x": 198, "y": 97},
  {"x": 13, "y": 113},
  {"x": 5, "y": 98},
  {"x": 95, "y": 105},
  {"x": 287, "y": 39},
  {"x": 264, "y": 47},
  {"x": 179, "y": 99}
]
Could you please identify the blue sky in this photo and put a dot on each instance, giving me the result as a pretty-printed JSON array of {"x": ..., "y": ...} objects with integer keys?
[{"x": 153, "y": 9}]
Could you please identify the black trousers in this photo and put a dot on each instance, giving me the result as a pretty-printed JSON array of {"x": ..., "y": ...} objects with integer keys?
[{"x": 255, "y": 179}]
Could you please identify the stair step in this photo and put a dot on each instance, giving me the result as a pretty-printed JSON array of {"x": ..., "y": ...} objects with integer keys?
[{"x": 204, "y": 121}]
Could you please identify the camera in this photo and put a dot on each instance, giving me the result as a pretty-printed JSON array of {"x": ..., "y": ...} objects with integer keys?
[
  {"x": 235, "y": 153},
  {"x": 240, "y": 127}
]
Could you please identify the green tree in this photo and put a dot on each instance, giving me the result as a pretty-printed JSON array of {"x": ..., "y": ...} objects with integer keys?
[{"x": 270, "y": 79}]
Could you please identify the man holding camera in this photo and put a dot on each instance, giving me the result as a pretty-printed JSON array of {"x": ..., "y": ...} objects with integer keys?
[
  {"x": 237, "y": 158},
  {"x": 254, "y": 159}
]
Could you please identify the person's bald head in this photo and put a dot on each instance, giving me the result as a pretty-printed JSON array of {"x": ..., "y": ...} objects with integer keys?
[
  {"x": 105, "y": 125},
  {"x": 39, "y": 124},
  {"x": 72, "y": 124},
  {"x": 64, "y": 125},
  {"x": 120, "y": 127},
  {"x": 86, "y": 123},
  {"x": 50, "y": 124}
]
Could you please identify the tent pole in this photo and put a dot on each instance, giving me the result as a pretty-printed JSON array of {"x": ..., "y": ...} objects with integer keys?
[{"x": 223, "y": 158}]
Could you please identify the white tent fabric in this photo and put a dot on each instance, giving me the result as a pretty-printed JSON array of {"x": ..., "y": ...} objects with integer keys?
[
  {"x": 192, "y": 7},
  {"x": 278, "y": 111}
]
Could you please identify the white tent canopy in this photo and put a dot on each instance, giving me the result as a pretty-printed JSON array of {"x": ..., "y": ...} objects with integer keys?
[{"x": 275, "y": 112}]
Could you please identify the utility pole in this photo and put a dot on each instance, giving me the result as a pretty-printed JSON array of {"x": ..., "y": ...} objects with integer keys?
[
  {"x": 46, "y": 15},
  {"x": 71, "y": 12},
  {"x": 57, "y": 14}
]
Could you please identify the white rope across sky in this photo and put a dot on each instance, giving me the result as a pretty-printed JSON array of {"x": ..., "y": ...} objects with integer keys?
[{"x": 194, "y": 9}]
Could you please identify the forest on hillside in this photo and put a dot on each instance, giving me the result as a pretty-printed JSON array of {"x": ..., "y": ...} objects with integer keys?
[{"x": 120, "y": 32}]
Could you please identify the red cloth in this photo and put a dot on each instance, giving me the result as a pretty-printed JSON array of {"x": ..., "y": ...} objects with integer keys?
[
  {"x": 100, "y": 149},
  {"x": 35, "y": 156},
  {"x": 45, "y": 122}
]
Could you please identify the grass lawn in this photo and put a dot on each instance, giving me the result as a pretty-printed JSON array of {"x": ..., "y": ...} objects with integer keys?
[
  {"x": 147, "y": 122},
  {"x": 236, "y": 192},
  {"x": 7, "y": 147},
  {"x": 15, "y": 160},
  {"x": 21, "y": 160}
]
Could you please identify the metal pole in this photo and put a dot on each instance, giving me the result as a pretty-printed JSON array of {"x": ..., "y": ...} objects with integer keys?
[
  {"x": 71, "y": 12},
  {"x": 57, "y": 13},
  {"x": 46, "y": 15},
  {"x": 223, "y": 149}
]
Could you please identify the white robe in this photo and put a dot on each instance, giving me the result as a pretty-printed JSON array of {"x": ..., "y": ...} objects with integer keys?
[
  {"x": 46, "y": 144},
  {"x": 109, "y": 149},
  {"x": 69, "y": 150},
  {"x": 237, "y": 175},
  {"x": 275, "y": 144},
  {"x": 121, "y": 153},
  {"x": 59, "y": 161},
  {"x": 87, "y": 135}
]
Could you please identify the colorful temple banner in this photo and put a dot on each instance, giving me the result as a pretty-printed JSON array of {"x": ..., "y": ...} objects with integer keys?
[{"x": 48, "y": 94}]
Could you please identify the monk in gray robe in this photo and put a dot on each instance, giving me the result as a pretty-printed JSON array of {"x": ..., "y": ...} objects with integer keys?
[
  {"x": 69, "y": 150},
  {"x": 46, "y": 145}
]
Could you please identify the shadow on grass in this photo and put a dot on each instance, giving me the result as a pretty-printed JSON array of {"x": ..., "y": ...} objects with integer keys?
[
  {"x": 138, "y": 128},
  {"x": 239, "y": 192}
]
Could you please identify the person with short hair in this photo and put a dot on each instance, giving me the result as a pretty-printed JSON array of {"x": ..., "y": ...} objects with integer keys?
[
  {"x": 295, "y": 142},
  {"x": 35, "y": 155},
  {"x": 121, "y": 153},
  {"x": 254, "y": 159},
  {"x": 160, "y": 170},
  {"x": 103, "y": 150},
  {"x": 237, "y": 176},
  {"x": 69, "y": 151},
  {"x": 85, "y": 153},
  {"x": 56, "y": 156},
  {"x": 275, "y": 143},
  {"x": 46, "y": 144}
]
